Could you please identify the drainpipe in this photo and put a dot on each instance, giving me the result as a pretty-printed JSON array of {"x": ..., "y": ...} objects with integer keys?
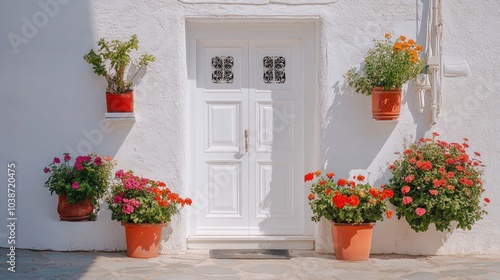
[{"x": 431, "y": 79}]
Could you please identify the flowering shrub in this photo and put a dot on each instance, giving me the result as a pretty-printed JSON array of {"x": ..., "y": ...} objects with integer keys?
[
  {"x": 347, "y": 201},
  {"x": 438, "y": 182},
  {"x": 139, "y": 200},
  {"x": 88, "y": 176},
  {"x": 389, "y": 65}
]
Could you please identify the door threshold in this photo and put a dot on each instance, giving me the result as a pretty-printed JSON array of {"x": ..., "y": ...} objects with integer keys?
[{"x": 207, "y": 242}]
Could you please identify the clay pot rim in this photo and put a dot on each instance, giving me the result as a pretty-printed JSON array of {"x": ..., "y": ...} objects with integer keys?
[
  {"x": 119, "y": 93},
  {"x": 353, "y": 224},
  {"x": 393, "y": 90},
  {"x": 144, "y": 224}
]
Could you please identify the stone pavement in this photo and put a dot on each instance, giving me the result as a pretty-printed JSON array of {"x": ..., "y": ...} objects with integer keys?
[{"x": 196, "y": 265}]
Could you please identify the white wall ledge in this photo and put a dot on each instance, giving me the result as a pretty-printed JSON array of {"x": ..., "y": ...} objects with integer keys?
[{"x": 119, "y": 116}]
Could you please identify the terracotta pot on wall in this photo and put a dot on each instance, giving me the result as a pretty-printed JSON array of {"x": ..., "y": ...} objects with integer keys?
[
  {"x": 386, "y": 104},
  {"x": 352, "y": 242},
  {"x": 79, "y": 211},
  {"x": 143, "y": 240},
  {"x": 120, "y": 102}
]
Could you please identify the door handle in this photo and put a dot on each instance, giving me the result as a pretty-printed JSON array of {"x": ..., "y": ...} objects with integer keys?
[{"x": 245, "y": 134}]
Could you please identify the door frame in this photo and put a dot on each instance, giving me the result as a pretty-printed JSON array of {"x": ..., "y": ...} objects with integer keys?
[{"x": 310, "y": 36}]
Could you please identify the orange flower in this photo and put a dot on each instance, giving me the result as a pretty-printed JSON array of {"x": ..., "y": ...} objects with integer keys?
[
  {"x": 353, "y": 200},
  {"x": 360, "y": 178},
  {"x": 311, "y": 196},
  {"x": 411, "y": 42},
  {"x": 328, "y": 191},
  {"x": 418, "y": 48},
  {"x": 397, "y": 46},
  {"x": 387, "y": 193},
  {"x": 322, "y": 182},
  {"x": 308, "y": 177},
  {"x": 318, "y": 172},
  {"x": 402, "y": 37},
  {"x": 342, "y": 182},
  {"x": 389, "y": 214},
  {"x": 340, "y": 200},
  {"x": 387, "y": 35},
  {"x": 330, "y": 175},
  {"x": 374, "y": 192}
]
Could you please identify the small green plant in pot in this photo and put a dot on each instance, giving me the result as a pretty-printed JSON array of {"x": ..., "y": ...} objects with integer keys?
[
  {"x": 112, "y": 61},
  {"x": 385, "y": 69}
]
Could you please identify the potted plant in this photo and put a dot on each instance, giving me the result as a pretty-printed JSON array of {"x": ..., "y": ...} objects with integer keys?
[
  {"x": 112, "y": 61},
  {"x": 436, "y": 182},
  {"x": 353, "y": 207},
  {"x": 389, "y": 65},
  {"x": 143, "y": 207},
  {"x": 80, "y": 185}
]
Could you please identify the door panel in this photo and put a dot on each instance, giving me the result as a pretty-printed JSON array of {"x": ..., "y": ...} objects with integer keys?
[
  {"x": 249, "y": 137},
  {"x": 223, "y": 126}
]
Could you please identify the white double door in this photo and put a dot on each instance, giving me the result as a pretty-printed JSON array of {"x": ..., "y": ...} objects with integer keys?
[{"x": 248, "y": 137}]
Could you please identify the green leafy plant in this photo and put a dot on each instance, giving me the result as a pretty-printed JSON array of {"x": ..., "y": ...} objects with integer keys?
[
  {"x": 112, "y": 60},
  {"x": 390, "y": 64},
  {"x": 438, "y": 182},
  {"x": 134, "y": 199},
  {"x": 347, "y": 201},
  {"x": 89, "y": 176}
]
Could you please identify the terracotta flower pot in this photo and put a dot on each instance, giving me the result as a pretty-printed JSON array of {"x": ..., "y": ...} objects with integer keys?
[
  {"x": 352, "y": 242},
  {"x": 79, "y": 211},
  {"x": 143, "y": 240},
  {"x": 386, "y": 104},
  {"x": 120, "y": 102}
]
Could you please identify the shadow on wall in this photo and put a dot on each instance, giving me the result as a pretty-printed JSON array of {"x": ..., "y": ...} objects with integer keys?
[
  {"x": 54, "y": 103},
  {"x": 350, "y": 138}
]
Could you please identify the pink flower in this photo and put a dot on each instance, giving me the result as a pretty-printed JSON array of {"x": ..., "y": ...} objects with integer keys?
[
  {"x": 78, "y": 166},
  {"x": 119, "y": 174},
  {"x": 75, "y": 185},
  {"x": 134, "y": 202},
  {"x": 79, "y": 159},
  {"x": 67, "y": 157},
  {"x": 117, "y": 199},
  {"x": 127, "y": 208},
  {"x": 433, "y": 192},
  {"x": 409, "y": 178},
  {"x": 405, "y": 189},
  {"x": 46, "y": 170},
  {"x": 57, "y": 160},
  {"x": 420, "y": 211},
  {"x": 98, "y": 161},
  {"x": 130, "y": 183},
  {"x": 407, "y": 200}
]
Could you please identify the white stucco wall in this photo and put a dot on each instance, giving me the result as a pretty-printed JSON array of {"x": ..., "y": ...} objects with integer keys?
[{"x": 51, "y": 102}]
